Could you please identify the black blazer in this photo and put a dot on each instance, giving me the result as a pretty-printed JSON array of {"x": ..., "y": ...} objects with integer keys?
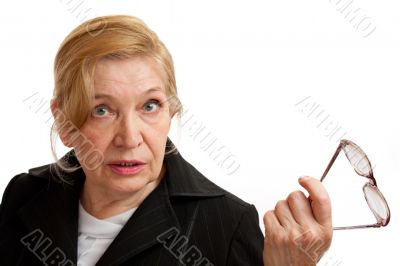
[{"x": 186, "y": 220}]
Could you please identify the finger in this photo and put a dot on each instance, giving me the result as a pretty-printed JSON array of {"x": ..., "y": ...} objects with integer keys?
[
  {"x": 300, "y": 208},
  {"x": 271, "y": 223},
  {"x": 274, "y": 241},
  {"x": 284, "y": 214},
  {"x": 321, "y": 205}
]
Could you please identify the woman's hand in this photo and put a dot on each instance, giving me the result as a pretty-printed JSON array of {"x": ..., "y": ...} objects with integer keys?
[{"x": 299, "y": 230}]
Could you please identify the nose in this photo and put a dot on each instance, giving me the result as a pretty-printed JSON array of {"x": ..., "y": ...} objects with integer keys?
[{"x": 129, "y": 133}]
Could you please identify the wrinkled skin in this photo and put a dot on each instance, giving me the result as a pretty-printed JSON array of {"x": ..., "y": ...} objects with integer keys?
[{"x": 299, "y": 230}]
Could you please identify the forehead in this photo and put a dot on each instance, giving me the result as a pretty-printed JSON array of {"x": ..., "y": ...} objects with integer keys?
[{"x": 138, "y": 74}]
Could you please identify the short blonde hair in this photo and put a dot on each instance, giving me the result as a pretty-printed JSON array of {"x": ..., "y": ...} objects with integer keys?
[{"x": 117, "y": 37}]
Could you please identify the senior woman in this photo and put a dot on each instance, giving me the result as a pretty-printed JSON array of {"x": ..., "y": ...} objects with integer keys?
[{"x": 123, "y": 195}]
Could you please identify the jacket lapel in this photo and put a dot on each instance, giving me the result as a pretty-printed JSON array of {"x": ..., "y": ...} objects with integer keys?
[{"x": 153, "y": 217}]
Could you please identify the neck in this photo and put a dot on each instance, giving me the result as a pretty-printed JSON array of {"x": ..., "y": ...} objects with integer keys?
[{"x": 102, "y": 203}]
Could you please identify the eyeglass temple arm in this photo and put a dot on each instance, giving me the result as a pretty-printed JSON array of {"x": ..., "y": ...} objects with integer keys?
[
  {"x": 331, "y": 162},
  {"x": 357, "y": 226}
]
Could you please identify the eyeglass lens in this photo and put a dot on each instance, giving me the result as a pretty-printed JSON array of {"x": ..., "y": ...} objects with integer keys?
[
  {"x": 376, "y": 202},
  {"x": 358, "y": 159}
]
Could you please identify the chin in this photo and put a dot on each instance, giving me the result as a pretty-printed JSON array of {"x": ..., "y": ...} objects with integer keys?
[{"x": 129, "y": 184}]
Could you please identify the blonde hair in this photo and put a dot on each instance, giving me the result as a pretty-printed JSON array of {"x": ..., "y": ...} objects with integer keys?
[{"x": 116, "y": 37}]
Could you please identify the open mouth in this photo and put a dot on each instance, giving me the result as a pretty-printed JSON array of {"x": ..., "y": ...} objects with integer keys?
[
  {"x": 126, "y": 164},
  {"x": 127, "y": 167}
]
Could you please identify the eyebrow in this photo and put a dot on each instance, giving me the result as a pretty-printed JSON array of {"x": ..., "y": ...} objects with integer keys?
[{"x": 109, "y": 96}]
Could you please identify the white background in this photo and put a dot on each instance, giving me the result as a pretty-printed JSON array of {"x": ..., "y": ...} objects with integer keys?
[{"x": 242, "y": 68}]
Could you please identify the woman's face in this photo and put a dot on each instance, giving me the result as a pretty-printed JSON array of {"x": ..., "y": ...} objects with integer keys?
[{"x": 129, "y": 124}]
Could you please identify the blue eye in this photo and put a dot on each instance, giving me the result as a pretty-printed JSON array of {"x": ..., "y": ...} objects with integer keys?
[
  {"x": 100, "y": 111},
  {"x": 152, "y": 106}
]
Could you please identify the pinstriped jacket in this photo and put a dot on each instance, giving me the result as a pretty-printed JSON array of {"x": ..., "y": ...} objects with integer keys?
[{"x": 186, "y": 220}]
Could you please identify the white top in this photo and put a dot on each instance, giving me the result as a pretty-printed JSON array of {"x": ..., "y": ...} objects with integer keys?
[{"x": 95, "y": 235}]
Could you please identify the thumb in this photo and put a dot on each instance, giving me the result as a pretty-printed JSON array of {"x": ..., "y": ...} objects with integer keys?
[{"x": 320, "y": 202}]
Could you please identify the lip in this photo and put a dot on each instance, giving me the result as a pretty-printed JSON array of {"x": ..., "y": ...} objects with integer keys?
[
  {"x": 126, "y": 161},
  {"x": 126, "y": 170}
]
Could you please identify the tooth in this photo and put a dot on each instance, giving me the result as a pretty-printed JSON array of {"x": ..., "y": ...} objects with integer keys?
[{"x": 127, "y": 164}]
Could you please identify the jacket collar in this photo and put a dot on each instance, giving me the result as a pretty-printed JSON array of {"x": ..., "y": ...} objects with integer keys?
[
  {"x": 55, "y": 209},
  {"x": 185, "y": 180}
]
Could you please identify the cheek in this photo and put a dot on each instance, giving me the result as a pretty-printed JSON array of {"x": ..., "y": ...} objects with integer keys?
[
  {"x": 158, "y": 138},
  {"x": 165, "y": 123},
  {"x": 99, "y": 138}
]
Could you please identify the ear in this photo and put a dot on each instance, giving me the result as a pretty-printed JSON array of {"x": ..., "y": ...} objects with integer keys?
[{"x": 60, "y": 119}]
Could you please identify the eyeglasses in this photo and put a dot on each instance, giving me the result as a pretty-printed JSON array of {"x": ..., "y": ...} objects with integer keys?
[{"x": 372, "y": 194}]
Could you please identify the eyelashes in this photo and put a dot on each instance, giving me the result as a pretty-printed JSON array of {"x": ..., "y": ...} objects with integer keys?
[
  {"x": 152, "y": 103},
  {"x": 103, "y": 110}
]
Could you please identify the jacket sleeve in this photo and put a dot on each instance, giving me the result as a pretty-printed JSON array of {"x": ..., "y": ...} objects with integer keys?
[
  {"x": 247, "y": 244},
  {"x": 6, "y": 196},
  {"x": 10, "y": 230}
]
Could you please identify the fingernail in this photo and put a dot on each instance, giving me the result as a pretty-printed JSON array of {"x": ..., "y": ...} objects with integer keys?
[{"x": 304, "y": 178}]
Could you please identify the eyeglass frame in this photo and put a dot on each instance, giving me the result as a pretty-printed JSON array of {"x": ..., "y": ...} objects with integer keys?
[{"x": 371, "y": 182}]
